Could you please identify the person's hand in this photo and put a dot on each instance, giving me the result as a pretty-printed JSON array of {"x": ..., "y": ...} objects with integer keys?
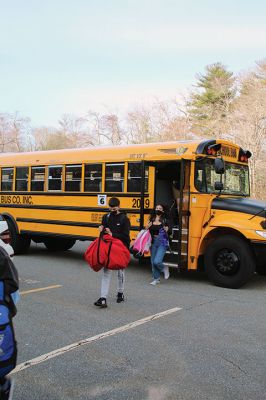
[
  {"x": 101, "y": 228},
  {"x": 149, "y": 224},
  {"x": 107, "y": 230}
]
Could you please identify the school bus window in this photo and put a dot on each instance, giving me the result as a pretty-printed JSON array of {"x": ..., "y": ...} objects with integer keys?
[
  {"x": 235, "y": 179},
  {"x": 200, "y": 179},
  {"x": 93, "y": 178},
  {"x": 22, "y": 175},
  {"x": 37, "y": 179},
  {"x": 134, "y": 177},
  {"x": 114, "y": 177},
  {"x": 73, "y": 178},
  {"x": 7, "y": 175},
  {"x": 55, "y": 177},
  {"x": 205, "y": 176}
]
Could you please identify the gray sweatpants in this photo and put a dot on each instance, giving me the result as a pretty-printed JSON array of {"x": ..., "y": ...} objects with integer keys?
[{"x": 106, "y": 279}]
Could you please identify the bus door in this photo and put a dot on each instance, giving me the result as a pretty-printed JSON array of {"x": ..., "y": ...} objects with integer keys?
[
  {"x": 184, "y": 214},
  {"x": 147, "y": 191}
]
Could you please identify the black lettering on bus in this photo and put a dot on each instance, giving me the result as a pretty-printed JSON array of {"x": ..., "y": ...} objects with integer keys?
[
  {"x": 228, "y": 151},
  {"x": 8, "y": 199},
  {"x": 27, "y": 200},
  {"x": 5, "y": 199},
  {"x": 16, "y": 200},
  {"x": 135, "y": 203},
  {"x": 147, "y": 203}
]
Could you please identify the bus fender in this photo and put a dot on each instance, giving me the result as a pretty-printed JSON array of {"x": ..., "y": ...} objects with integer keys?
[{"x": 213, "y": 232}]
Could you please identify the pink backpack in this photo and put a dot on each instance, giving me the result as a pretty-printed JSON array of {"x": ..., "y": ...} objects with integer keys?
[{"x": 142, "y": 243}]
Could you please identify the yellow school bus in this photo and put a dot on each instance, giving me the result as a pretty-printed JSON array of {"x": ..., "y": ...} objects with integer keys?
[{"x": 57, "y": 197}]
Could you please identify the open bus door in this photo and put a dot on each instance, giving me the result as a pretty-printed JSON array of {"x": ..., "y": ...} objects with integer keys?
[
  {"x": 146, "y": 191},
  {"x": 176, "y": 188},
  {"x": 176, "y": 256},
  {"x": 184, "y": 213}
]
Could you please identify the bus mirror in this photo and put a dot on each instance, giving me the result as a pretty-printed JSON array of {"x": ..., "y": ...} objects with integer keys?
[
  {"x": 219, "y": 166},
  {"x": 218, "y": 186}
]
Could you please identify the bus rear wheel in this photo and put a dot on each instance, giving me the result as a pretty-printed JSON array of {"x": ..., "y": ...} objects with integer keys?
[
  {"x": 229, "y": 262},
  {"x": 20, "y": 243},
  {"x": 59, "y": 244}
]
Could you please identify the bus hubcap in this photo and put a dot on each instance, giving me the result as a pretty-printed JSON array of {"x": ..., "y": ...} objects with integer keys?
[{"x": 227, "y": 262}]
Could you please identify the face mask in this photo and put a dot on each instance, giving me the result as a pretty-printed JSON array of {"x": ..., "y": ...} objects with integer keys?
[{"x": 158, "y": 212}]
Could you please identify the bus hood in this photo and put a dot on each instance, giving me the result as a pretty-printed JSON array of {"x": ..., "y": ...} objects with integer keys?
[{"x": 240, "y": 204}]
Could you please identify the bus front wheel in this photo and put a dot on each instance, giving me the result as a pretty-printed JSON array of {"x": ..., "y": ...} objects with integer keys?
[
  {"x": 20, "y": 243},
  {"x": 229, "y": 262},
  {"x": 59, "y": 244}
]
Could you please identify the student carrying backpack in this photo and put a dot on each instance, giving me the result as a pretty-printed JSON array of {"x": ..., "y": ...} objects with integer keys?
[
  {"x": 117, "y": 225},
  {"x": 8, "y": 347}
]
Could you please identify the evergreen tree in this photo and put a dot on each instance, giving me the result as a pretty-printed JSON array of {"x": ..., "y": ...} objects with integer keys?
[{"x": 210, "y": 104}]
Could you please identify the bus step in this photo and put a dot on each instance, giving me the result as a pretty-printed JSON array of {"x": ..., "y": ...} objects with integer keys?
[
  {"x": 172, "y": 265},
  {"x": 171, "y": 257}
]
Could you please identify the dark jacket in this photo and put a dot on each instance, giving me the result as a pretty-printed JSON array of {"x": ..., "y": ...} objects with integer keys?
[
  {"x": 9, "y": 275},
  {"x": 119, "y": 225}
]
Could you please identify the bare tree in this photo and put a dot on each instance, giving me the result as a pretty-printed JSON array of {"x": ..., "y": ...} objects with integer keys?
[
  {"x": 170, "y": 121},
  {"x": 249, "y": 124},
  {"x": 14, "y": 130},
  {"x": 74, "y": 128},
  {"x": 111, "y": 128},
  {"x": 138, "y": 127}
]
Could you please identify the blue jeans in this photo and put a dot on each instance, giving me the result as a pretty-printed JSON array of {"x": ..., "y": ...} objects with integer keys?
[{"x": 157, "y": 254}]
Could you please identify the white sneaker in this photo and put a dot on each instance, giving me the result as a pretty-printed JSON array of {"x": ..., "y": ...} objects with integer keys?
[
  {"x": 155, "y": 282},
  {"x": 166, "y": 272}
]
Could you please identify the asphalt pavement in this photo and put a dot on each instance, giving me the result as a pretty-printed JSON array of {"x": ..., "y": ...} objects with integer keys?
[{"x": 210, "y": 345}]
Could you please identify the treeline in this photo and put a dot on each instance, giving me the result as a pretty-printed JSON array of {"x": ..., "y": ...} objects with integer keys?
[{"x": 219, "y": 105}]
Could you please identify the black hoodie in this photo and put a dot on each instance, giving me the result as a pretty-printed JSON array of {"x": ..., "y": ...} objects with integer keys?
[{"x": 119, "y": 225}]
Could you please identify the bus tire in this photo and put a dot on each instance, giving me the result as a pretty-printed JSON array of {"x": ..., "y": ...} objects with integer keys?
[
  {"x": 20, "y": 243},
  {"x": 59, "y": 244},
  {"x": 229, "y": 262}
]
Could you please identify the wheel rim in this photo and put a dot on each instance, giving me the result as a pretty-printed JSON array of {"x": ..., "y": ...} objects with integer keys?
[{"x": 227, "y": 262}]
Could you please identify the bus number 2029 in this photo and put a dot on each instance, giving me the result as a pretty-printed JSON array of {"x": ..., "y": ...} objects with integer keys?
[{"x": 136, "y": 203}]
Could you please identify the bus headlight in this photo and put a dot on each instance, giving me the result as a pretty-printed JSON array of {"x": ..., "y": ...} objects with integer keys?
[{"x": 261, "y": 233}]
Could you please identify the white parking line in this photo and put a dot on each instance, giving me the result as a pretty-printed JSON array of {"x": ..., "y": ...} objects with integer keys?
[{"x": 62, "y": 350}]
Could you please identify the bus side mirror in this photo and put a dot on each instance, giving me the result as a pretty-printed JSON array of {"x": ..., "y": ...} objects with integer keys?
[
  {"x": 219, "y": 166},
  {"x": 218, "y": 186}
]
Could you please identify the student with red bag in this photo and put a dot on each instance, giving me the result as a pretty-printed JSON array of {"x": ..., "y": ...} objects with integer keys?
[{"x": 116, "y": 224}]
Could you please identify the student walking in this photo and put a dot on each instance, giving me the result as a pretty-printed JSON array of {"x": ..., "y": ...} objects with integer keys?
[
  {"x": 116, "y": 224},
  {"x": 158, "y": 226}
]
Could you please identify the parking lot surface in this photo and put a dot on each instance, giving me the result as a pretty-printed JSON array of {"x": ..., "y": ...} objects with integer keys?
[{"x": 183, "y": 339}]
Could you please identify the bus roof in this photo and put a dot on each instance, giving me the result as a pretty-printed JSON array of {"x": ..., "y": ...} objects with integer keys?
[{"x": 176, "y": 150}]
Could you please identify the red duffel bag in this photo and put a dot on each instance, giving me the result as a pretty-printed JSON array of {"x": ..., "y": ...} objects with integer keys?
[{"x": 107, "y": 251}]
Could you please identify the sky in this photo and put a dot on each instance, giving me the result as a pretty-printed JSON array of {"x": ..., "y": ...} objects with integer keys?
[{"x": 71, "y": 56}]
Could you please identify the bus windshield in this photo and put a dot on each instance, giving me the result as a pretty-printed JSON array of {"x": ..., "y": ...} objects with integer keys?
[{"x": 235, "y": 179}]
